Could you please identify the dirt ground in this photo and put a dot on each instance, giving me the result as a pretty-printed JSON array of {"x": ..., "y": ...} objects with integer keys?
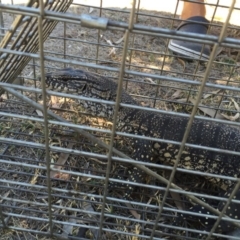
[
  {"x": 146, "y": 54},
  {"x": 220, "y": 13}
]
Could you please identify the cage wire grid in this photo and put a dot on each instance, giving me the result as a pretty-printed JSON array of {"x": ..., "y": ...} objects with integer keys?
[{"x": 57, "y": 161}]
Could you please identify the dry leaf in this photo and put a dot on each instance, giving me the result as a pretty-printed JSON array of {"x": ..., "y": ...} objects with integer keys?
[
  {"x": 119, "y": 40},
  {"x": 236, "y": 116},
  {"x": 211, "y": 93},
  {"x": 227, "y": 82},
  {"x": 137, "y": 231},
  {"x": 176, "y": 94},
  {"x": 133, "y": 212},
  {"x": 67, "y": 228},
  {"x": 219, "y": 50},
  {"x": 54, "y": 102},
  {"x": 177, "y": 200},
  {"x": 39, "y": 113},
  {"x": 101, "y": 162},
  {"x": 62, "y": 176},
  {"x": 182, "y": 62},
  {"x": 113, "y": 50},
  {"x": 61, "y": 161},
  {"x": 206, "y": 110},
  {"x": 149, "y": 80},
  {"x": 235, "y": 104},
  {"x": 35, "y": 177},
  {"x": 108, "y": 41},
  {"x": 5, "y": 195},
  {"x": 182, "y": 100},
  {"x": 231, "y": 118},
  {"x": 92, "y": 215}
]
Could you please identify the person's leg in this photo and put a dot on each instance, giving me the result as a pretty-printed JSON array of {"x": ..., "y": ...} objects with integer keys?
[
  {"x": 192, "y": 12},
  {"x": 191, "y": 9}
]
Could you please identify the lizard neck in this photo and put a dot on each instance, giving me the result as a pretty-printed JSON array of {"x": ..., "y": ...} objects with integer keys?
[{"x": 107, "y": 110}]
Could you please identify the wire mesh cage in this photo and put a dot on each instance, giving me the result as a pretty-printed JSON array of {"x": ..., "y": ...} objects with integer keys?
[{"x": 106, "y": 133}]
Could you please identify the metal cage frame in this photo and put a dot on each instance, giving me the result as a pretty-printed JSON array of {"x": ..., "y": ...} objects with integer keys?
[{"x": 40, "y": 14}]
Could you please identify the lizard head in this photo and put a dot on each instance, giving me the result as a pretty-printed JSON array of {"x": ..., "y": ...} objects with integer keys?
[{"x": 81, "y": 83}]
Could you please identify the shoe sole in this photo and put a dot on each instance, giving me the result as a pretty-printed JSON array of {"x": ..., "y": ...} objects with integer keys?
[{"x": 186, "y": 52}]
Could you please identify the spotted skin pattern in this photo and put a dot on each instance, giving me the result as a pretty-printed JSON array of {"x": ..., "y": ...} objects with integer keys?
[
  {"x": 233, "y": 211},
  {"x": 157, "y": 125},
  {"x": 137, "y": 175}
]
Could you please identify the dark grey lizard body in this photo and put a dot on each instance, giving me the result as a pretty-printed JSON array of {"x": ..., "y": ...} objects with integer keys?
[
  {"x": 152, "y": 124},
  {"x": 169, "y": 127}
]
